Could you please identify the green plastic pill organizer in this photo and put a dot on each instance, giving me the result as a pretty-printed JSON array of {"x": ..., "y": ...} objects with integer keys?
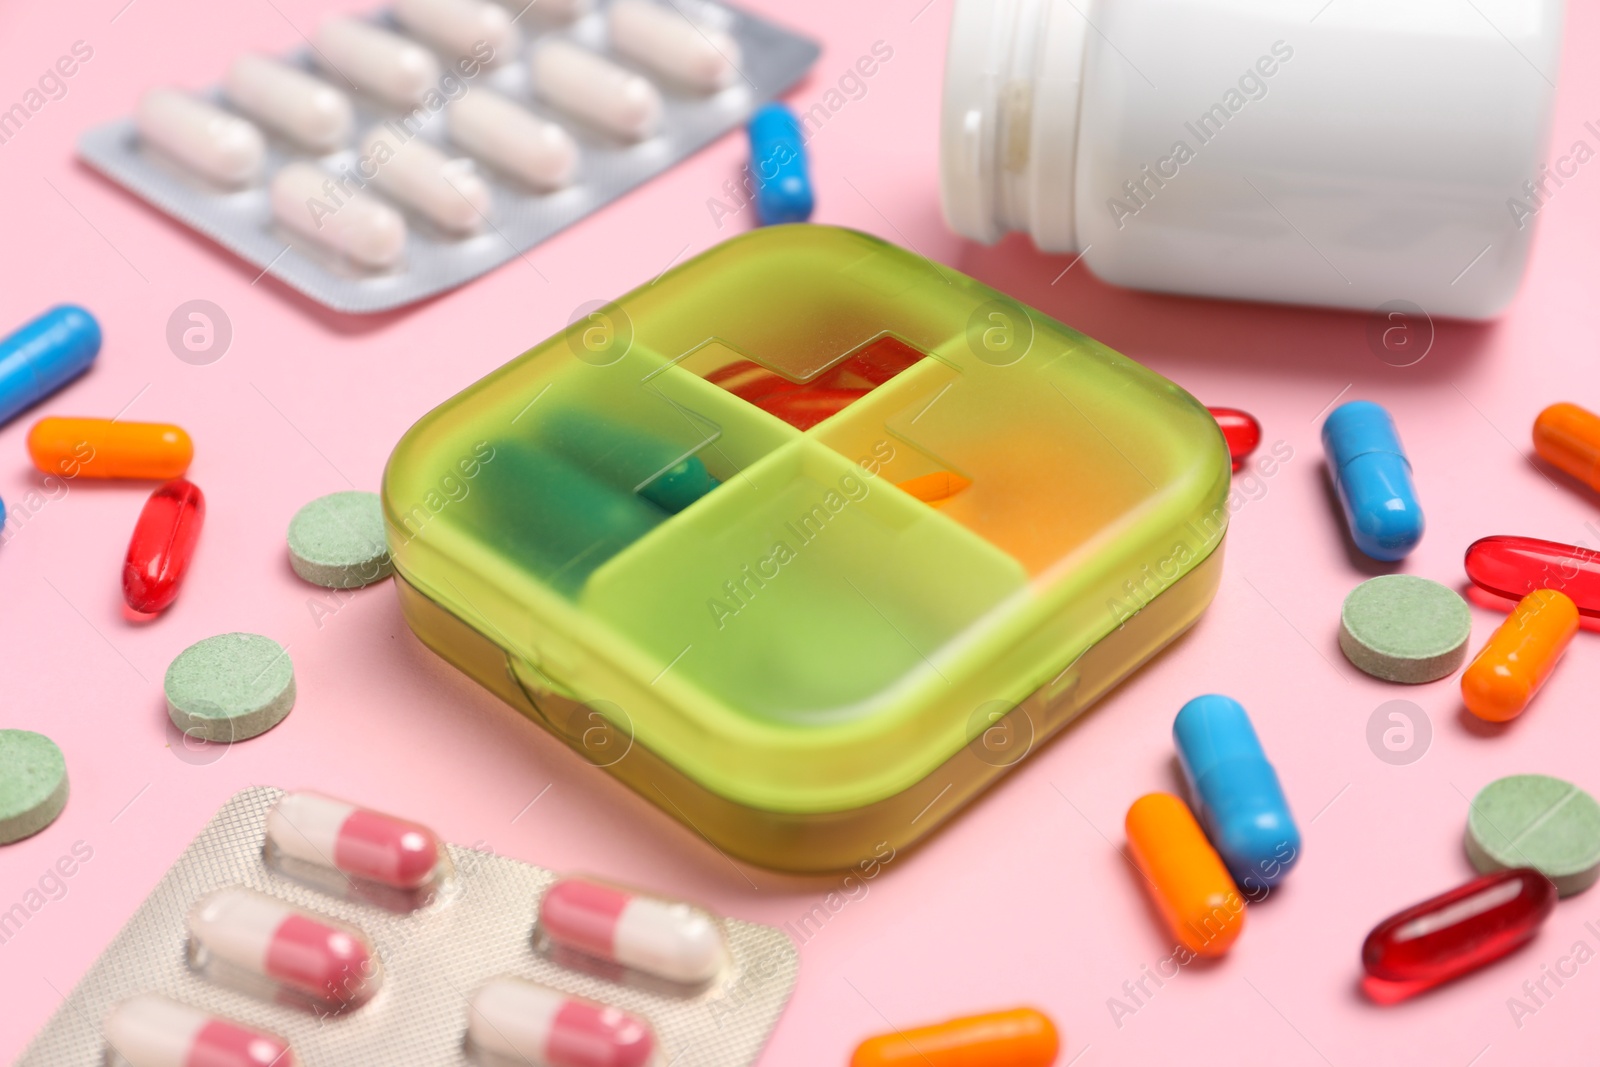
[{"x": 809, "y": 540}]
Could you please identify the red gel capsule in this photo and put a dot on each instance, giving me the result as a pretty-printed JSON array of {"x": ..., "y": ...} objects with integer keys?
[
  {"x": 1513, "y": 567},
  {"x": 1240, "y": 429},
  {"x": 1461, "y": 930},
  {"x": 162, "y": 546}
]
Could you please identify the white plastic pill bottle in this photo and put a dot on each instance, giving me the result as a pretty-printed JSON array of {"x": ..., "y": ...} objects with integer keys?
[{"x": 1346, "y": 153}]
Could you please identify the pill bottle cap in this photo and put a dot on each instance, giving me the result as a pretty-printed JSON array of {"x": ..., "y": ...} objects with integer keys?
[{"x": 1009, "y": 127}]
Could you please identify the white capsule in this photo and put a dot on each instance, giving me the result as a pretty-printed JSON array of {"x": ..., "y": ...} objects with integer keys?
[
  {"x": 666, "y": 41},
  {"x": 450, "y": 193},
  {"x": 595, "y": 89},
  {"x": 461, "y": 27},
  {"x": 309, "y": 201},
  {"x": 291, "y": 101},
  {"x": 514, "y": 139},
  {"x": 527, "y": 1023},
  {"x": 201, "y": 136},
  {"x": 152, "y": 1031},
  {"x": 550, "y": 10},
  {"x": 378, "y": 62}
]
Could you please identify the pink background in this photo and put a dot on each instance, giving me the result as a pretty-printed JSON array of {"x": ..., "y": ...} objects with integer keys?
[{"x": 1022, "y": 899}]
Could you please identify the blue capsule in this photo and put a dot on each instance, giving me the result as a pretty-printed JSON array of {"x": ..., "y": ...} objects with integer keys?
[
  {"x": 1236, "y": 791},
  {"x": 44, "y": 355},
  {"x": 778, "y": 165},
  {"x": 1373, "y": 477}
]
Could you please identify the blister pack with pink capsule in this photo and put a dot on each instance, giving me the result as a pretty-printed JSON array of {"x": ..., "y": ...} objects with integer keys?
[{"x": 299, "y": 929}]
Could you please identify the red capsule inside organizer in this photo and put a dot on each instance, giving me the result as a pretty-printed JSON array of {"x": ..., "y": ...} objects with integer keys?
[
  {"x": 162, "y": 546},
  {"x": 1513, "y": 567},
  {"x": 801, "y": 405},
  {"x": 804, "y": 404},
  {"x": 804, "y": 408},
  {"x": 1459, "y": 931},
  {"x": 1240, "y": 429}
]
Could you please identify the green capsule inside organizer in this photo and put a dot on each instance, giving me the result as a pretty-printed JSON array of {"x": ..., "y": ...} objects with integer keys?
[{"x": 810, "y": 540}]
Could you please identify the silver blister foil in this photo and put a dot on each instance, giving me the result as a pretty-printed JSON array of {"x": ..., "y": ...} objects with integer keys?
[
  {"x": 480, "y": 927},
  {"x": 773, "y": 59}
]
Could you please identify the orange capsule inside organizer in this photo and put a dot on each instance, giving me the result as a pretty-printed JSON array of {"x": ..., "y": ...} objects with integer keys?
[
  {"x": 1499, "y": 683},
  {"x": 1568, "y": 437},
  {"x": 935, "y": 488},
  {"x": 107, "y": 448},
  {"x": 1184, "y": 874},
  {"x": 1018, "y": 1038}
]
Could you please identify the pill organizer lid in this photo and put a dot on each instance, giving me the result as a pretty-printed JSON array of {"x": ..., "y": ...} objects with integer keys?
[{"x": 805, "y": 515}]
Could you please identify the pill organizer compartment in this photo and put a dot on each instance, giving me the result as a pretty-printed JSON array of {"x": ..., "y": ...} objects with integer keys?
[
  {"x": 801, "y": 594},
  {"x": 986, "y": 521}
]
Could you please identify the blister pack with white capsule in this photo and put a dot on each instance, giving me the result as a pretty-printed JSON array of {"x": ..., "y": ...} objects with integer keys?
[
  {"x": 404, "y": 154},
  {"x": 299, "y": 929}
]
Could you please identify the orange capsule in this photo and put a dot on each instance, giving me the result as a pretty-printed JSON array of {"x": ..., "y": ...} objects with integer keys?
[
  {"x": 1018, "y": 1038},
  {"x": 1568, "y": 437},
  {"x": 106, "y": 448},
  {"x": 1185, "y": 875},
  {"x": 935, "y": 488},
  {"x": 1500, "y": 682}
]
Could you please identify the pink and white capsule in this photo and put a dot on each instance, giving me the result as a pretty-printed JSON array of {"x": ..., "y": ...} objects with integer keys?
[
  {"x": 268, "y": 938},
  {"x": 527, "y": 1023},
  {"x": 360, "y": 842},
  {"x": 665, "y": 938},
  {"x": 152, "y": 1031}
]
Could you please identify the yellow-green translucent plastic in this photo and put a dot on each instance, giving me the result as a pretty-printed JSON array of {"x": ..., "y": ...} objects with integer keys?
[{"x": 806, "y": 647}]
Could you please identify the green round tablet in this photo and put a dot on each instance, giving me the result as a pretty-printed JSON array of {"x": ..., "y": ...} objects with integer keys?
[
  {"x": 1532, "y": 820},
  {"x": 230, "y": 687},
  {"x": 337, "y": 541},
  {"x": 1402, "y": 628},
  {"x": 33, "y": 784}
]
